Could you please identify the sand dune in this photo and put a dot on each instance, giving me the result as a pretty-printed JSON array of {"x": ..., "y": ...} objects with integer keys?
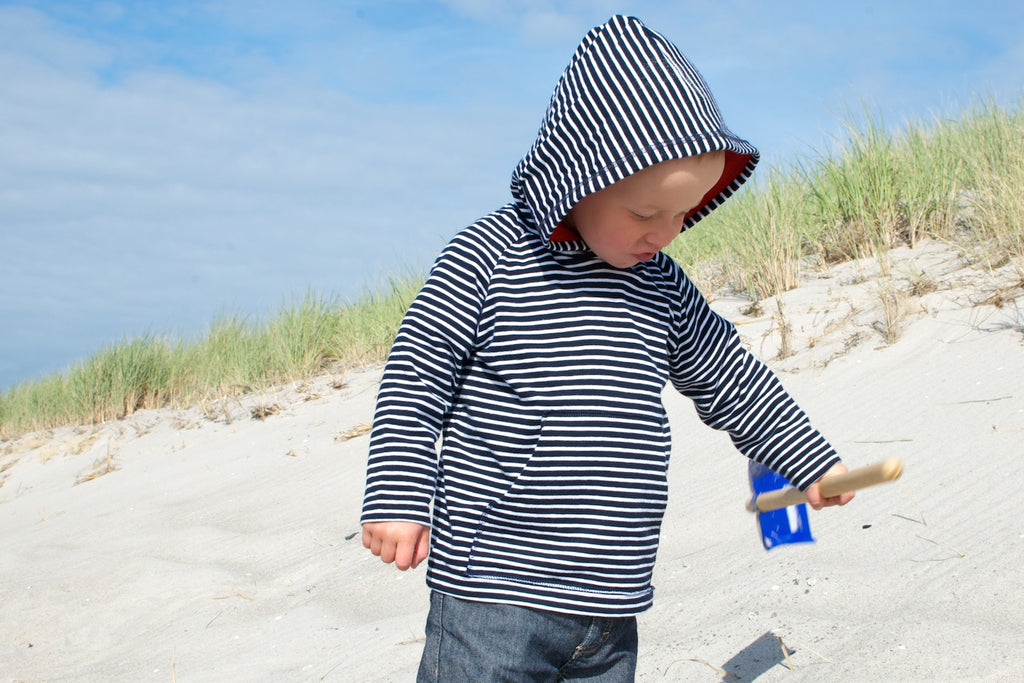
[{"x": 206, "y": 545}]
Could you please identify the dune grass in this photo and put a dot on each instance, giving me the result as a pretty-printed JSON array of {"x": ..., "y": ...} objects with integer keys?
[
  {"x": 955, "y": 179},
  {"x": 235, "y": 356}
]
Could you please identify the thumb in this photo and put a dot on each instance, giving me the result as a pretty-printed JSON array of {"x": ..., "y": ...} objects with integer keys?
[{"x": 422, "y": 547}]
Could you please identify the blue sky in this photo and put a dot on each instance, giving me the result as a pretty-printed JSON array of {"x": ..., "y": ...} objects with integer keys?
[{"x": 166, "y": 163}]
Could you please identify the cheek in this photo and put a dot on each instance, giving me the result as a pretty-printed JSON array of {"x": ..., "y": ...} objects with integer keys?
[
  {"x": 615, "y": 235},
  {"x": 629, "y": 235}
]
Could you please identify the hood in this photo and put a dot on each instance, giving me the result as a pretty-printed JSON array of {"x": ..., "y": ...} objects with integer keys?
[{"x": 627, "y": 100}]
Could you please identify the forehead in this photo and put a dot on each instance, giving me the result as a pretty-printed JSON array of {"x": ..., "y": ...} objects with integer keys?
[{"x": 682, "y": 177}]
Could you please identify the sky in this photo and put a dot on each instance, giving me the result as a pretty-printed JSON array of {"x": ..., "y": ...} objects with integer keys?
[{"x": 165, "y": 164}]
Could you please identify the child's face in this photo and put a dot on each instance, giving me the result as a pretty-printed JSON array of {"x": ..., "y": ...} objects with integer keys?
[{"x": 632, "y": 220}]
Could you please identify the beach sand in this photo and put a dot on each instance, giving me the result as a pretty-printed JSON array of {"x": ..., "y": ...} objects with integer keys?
[{"x": 211, "y": 545}]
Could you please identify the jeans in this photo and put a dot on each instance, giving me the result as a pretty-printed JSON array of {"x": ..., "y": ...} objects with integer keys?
[{"x": 478, "y": 641}]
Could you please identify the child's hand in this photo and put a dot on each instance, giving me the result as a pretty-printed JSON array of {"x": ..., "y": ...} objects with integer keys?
[
  {"x": 813, "y": 493},
  {"x": 404, "y": 543}
]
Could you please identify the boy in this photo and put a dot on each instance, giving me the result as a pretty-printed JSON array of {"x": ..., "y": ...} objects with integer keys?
[{"x": 537, "y": 352}]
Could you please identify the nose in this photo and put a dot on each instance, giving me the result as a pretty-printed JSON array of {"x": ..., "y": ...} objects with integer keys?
[{"x": 660, "y": 236}]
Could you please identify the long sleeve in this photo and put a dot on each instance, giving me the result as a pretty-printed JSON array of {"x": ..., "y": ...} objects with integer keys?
[
  {"x": 422, "y": 373},
  {"x": 735, "y": 392}
]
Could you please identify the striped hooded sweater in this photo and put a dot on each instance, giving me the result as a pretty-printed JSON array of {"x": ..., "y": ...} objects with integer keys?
[{"x": 520, "y": 413}]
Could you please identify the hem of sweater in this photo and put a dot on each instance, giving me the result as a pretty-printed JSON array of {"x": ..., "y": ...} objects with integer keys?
[{"x": 566, "y": 600}]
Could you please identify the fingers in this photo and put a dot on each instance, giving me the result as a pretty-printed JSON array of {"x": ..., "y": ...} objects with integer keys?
[
  {"x": 422, "y": 548},
  {"x": 380, "y": 541},
  {"x": 404, "y": 543},
  {"x": 413, "y": 548},
  {"x": 402, "y": 554},
  {"x": 840, "y": 500},
  {"x": 813, "y": 492},
  {"x": 815, "y": 500}
]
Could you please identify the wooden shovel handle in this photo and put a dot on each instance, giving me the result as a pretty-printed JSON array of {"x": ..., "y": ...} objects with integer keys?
[{"x": 833, "y": 485}]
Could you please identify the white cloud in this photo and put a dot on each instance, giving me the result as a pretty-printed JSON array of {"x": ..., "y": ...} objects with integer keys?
[
  {"x": 30, "y": 39},
  {"x": 161, "y": 162},
  {"x": 155, "y": 200}
]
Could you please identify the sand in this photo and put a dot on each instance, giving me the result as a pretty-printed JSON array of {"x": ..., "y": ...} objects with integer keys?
[{"x": 210, "y": 545}]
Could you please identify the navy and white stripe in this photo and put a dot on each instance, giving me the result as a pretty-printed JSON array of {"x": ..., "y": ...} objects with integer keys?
[{"x": 539, "y": 368}]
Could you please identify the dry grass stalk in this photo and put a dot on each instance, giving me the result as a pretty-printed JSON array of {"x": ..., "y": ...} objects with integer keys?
[
  {"x": 358, "y": 430},
  {"x": 785, "y": 330},
  {"x": 833, "y": 326},
  {"x": 894, "y": 310},
  {"x": 815, "y": 652},
  {"x": 958, "y": 553},
  {"x": 264, "y": 411},
  {"x": 912, "y": 502},
  {"x": 785, "y": 653},
  {"x": 721, "y": 672},
  {"x": 235, "y": 595},
  {"x": 224, "y": 407},
  {"x": 100, "y": 467},
  {"x": 412, "y": 641},
  {"x": 920, "y": 283}
]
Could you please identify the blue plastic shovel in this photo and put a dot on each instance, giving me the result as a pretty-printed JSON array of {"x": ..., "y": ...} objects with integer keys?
[{"x": 782, "y": 509}]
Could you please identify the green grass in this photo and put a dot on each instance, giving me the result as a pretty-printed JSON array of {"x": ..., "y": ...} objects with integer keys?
[
  {"x": 233, "y": 357},
  {"x": 957, "y": 180}
]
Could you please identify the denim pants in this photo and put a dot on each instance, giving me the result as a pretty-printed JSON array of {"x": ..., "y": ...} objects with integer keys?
[{"x": 484, "y": 642}]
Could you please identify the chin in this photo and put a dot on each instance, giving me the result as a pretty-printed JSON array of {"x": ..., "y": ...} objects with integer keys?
[{"x": 626, "y": 261}]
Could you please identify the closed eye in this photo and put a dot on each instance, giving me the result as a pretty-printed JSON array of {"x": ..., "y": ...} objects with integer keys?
[{"x": 641, "y": 217}]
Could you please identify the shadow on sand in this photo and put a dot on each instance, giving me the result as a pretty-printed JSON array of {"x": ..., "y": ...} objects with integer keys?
[{"x": 755, "y": 659}]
